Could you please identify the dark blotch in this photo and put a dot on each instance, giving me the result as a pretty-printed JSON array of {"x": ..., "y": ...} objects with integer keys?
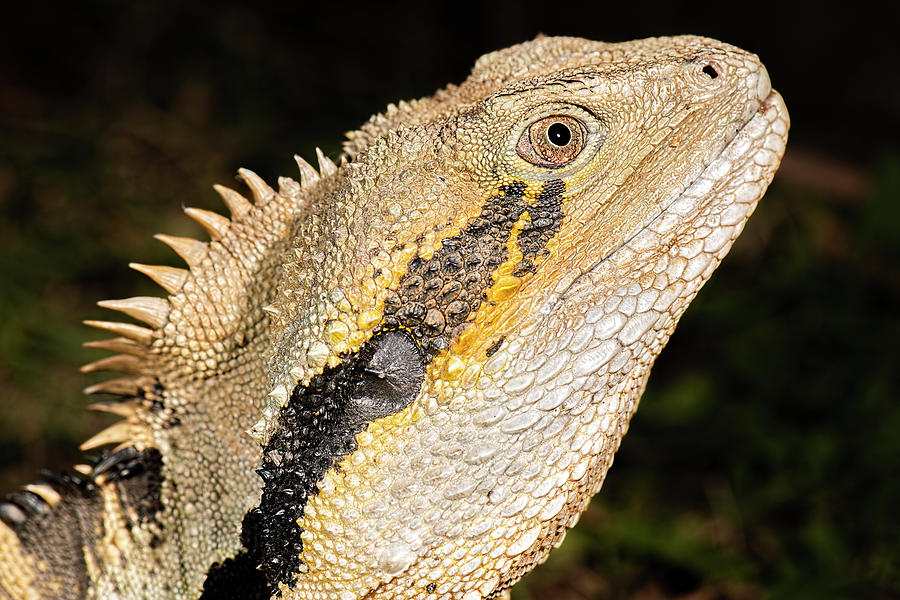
[{"x": 495, "y": 346}]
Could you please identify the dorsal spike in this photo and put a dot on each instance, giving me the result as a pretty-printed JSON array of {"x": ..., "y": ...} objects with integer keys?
[
  {"x": 326, "y": 165},
  {"x": 118, "y": 344},
  {"x": 139, "y": 334},
  {"x": 149, "y": 309},
  {"x": 308, "y": 173},
  {"x": 111, "y": 464},
  {"x": 237, "y": 205},
  {"x": 215, "y": 224},
  {"x": 122, "y": 431},
  {"x": 123, "y": 363},
  {"x": 261, "y": 191},
  {"x": 170, "y": 279},
  {"x": 46, "y": 493},
  {"x": 288, "y": 187},
  {"x": 123, "y": 408},
  {"x": 83, "y": 469},
  {"x": 122, "y": 446},
  {"x": 192, "y": 251},
  {"x": 122, "y": 386}
]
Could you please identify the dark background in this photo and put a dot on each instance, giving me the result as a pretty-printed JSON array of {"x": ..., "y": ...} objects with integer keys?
[{"x": 765, "y": 459}]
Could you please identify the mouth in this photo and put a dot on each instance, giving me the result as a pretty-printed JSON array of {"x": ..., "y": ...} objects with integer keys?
[{"x": 738, "y": 174}]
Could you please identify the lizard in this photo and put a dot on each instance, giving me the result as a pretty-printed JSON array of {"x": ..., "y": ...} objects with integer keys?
[{"x": 406, "y": 374}]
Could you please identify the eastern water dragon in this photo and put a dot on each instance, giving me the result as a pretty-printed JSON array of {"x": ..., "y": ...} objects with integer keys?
[{"x": 405, "y": 373}]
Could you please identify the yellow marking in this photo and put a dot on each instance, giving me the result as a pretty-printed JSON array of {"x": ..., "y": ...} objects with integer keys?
[
  {"x": 359, "y": 337},
  {"x": 465, "y": 340},
  {"x": 335, "y": 331},
  {"x": 504, "y": 288},
  {"x": 369, "y": 319},
  {"x": 533, "y": 188},
  {"x": 505, "y": 298},
  {"x": 453, "y": 367},
  {"x": 384, "y": 280},
  {"x": 404, "y": 256},
  {"x": 426, "y": 252}
]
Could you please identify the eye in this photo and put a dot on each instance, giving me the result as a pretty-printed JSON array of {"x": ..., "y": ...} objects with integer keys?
[{"x": 552, "y": 142}]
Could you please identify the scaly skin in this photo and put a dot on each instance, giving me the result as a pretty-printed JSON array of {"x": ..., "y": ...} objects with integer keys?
[{"x": 406, "y": 376}]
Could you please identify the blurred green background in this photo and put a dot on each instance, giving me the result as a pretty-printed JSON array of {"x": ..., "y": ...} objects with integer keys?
[{"x": 765, "y": 459}]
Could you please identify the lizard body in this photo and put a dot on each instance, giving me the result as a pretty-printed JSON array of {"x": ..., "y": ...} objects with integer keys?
[{"x": 406, "y": 375}]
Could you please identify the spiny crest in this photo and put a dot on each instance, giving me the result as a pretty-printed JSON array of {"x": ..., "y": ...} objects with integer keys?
[
  {"x": 137, "y": 344},
  {"x": 170, "y": 279},
  {"x": 326, "y": 166}
]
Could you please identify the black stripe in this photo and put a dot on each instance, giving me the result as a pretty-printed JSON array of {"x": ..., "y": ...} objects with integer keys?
[
  {"x": 436, "y": 297},
  {"x": 546, "y": 217},
  {"x": 429, "y": 308},
  {"x": 315, "y": 430}
]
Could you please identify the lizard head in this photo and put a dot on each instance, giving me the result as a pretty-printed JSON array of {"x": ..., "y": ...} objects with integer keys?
[{"x": 474, "y": 299}]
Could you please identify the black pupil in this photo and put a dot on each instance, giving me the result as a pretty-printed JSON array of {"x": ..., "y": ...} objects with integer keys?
[{"x": 559, "y": 134}]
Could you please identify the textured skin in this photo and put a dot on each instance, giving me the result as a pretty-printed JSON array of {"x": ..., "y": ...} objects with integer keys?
[{"x": 527, "y": 305}]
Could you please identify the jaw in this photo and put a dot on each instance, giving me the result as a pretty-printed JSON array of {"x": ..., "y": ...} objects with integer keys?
[{"x": 623, "y": 309}]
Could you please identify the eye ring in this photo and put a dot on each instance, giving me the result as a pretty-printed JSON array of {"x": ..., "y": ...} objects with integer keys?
[{"x": 553, "y": 141}]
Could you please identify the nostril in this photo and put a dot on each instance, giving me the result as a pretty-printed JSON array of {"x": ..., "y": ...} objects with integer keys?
[{"x": 710, "y": 71}]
